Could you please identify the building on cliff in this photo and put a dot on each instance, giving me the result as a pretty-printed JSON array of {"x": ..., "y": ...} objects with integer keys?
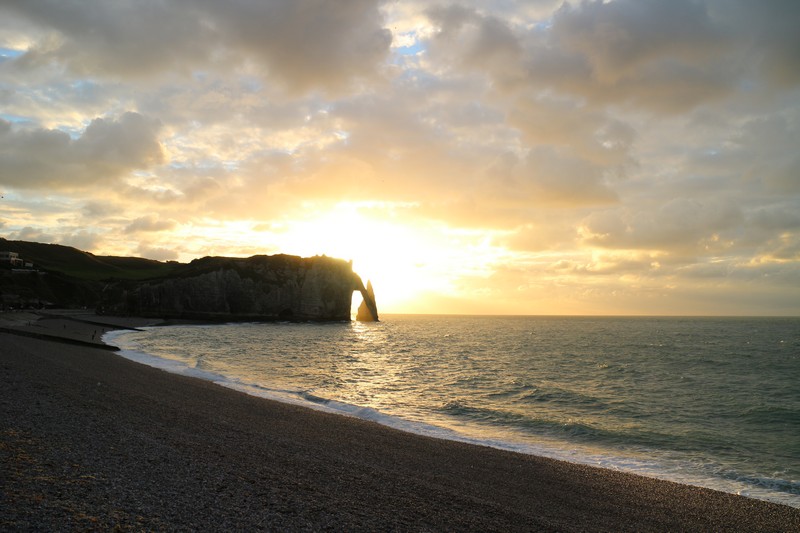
[{"x": 11, "y": 258}]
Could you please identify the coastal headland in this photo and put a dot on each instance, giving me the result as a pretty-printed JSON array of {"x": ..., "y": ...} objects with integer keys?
[
  {"x": 222, "y": 289},
  {"x": 92, "y": 441}
]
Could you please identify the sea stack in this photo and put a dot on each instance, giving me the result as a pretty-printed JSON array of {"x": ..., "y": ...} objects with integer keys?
[{"x": 368, "y": 310}]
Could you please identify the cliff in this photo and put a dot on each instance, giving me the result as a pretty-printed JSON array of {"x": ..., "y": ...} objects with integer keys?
[{"x": 279, "y": 287}]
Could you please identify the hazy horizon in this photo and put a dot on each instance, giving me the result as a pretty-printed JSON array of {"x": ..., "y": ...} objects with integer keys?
[{"x": 527, "y": 158}]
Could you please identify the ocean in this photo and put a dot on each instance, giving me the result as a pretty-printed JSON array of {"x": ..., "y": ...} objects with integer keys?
[{"x": 713, "y": 402}]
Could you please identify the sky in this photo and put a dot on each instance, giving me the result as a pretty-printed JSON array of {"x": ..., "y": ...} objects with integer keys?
[{"x": 623, "y": 157}]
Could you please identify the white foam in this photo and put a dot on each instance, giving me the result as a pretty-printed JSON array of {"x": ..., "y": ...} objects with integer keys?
[{"x": 174, "y": 367}]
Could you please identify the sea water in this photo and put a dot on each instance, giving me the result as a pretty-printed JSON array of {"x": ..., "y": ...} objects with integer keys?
[{"x": 713, "y": 402}]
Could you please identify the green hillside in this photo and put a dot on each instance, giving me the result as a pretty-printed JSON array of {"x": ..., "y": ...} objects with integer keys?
[{"x": 86, "y": 266}]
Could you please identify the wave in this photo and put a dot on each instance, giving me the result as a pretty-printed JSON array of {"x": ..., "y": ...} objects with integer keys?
[
  {"x": 541, "y": 426},
  {"x": 631, "y": 429}
]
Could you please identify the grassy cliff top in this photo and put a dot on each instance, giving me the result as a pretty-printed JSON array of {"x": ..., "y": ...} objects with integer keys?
[{"x": 86, "y": 266}]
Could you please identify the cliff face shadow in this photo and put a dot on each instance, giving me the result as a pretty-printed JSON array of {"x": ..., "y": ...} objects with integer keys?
[{"x": 278, "y": 287}]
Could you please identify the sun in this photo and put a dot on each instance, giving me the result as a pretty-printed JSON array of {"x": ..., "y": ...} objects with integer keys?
[{"x": 401, "y": 258}]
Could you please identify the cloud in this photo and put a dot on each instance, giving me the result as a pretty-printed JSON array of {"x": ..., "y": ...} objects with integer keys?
[
  {"x": 82, "y": 240},
  {"x": 783, "y": 248},
  {"x": 774, "y": 161},
  {"x": 318, "y": 44},
  {"x": 29, "y": 233},
  {"x": 106, "y": 151},
  {"x": 620, "y": 39},
  {"x": 149, "y": 224},
  {"x": 474, "y": 40},
  {"x": 552, "y": 177},
  {"x": 99, "y": 209},
  {"x": 776, "y": 217},
  {"x": 769, "y": 31},
  {"x": 549, "y": 230},
  {"x": 678, "y": 225},
  {"x": 324, "y": 42},
  {"x": 663, "y": 57},
  {"x": 673, "y": 56},
  {"x": 159, "y": 254},
  {"x": 592, "y": 135}
]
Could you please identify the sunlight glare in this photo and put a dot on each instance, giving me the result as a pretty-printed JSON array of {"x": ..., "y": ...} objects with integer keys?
[{"x": 400, "y": 259}]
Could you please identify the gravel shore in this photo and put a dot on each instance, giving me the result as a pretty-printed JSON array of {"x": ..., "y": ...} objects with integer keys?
[{"x": 92, "y": 441}]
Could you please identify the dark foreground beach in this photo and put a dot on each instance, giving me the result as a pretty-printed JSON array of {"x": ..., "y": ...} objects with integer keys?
[{"x": 92, "y": 441}]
